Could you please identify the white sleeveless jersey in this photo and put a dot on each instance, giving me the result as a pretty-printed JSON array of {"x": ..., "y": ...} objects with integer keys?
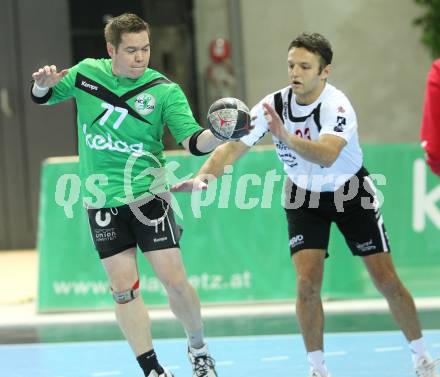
[{"x": 331, "y": 114}]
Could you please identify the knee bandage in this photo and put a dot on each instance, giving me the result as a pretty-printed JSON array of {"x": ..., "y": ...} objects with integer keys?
[{"x": 126, "y": 296}]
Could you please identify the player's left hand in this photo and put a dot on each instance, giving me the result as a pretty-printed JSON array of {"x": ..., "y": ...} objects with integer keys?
[
  {"x": 275, "y": 123},
  {"x": 48, "y": 76},
  {"x": 198, "y": 183}
]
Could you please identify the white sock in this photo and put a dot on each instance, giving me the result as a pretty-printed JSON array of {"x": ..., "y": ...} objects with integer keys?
[
  {"x": 195, "y": 338},
  {"x": 317, "y": 362},
  {"x": 418, "y": 350}
]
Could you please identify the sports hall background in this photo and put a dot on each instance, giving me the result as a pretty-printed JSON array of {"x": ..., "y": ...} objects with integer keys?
[{"x": 379, "y": 62}]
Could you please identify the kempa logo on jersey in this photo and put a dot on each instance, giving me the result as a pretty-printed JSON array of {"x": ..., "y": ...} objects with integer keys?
[
  {"x": 145, "y": 103},
  {"x": 101, "y": 142},
  {"x": 88, "y": 85}
]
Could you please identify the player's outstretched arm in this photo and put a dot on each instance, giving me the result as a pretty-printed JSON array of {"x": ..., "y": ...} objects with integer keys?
[
  {"x": 223, "y": 156},
  {"x": 205, "y": 142},
  {"x": 323, "y": 151},
  {"x": 45, "y": 78},
  {"x": 213, "y": 167},
  {"x": 193, "y": 184}
]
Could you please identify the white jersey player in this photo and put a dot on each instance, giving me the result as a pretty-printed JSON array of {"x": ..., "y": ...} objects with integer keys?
[
  {"x": 330, "y": 114},
  {"x": 314, "y": 128}
]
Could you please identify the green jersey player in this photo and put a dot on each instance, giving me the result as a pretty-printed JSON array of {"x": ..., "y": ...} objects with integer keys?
[{"x": 122, "y": 108}]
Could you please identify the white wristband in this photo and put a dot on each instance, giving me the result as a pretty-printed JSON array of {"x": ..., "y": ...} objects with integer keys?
[{"x": 41, "y": 88}]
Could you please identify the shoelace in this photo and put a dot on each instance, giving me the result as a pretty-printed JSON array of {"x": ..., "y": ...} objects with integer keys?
[{"x": 202, "y": 364}]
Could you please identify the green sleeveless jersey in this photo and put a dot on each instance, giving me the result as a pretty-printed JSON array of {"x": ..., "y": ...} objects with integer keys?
[{"x": 120, "y": 127}]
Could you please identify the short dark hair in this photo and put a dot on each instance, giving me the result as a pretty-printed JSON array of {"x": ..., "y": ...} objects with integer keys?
[
  {"x": 125, "y": 23},
  {"x": 317, "y": 44}
]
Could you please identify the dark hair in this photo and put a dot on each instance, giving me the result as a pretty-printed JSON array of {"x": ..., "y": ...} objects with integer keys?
[
  {"x": 317, "y": 44},
  {"x": 125, "y": 23}
]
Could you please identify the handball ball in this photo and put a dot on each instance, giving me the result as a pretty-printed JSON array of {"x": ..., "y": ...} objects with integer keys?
[{"x": 229, "y": 119}]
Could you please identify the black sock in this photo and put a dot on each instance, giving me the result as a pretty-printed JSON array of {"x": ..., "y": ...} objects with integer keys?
[{"x": 148, "y": 362}]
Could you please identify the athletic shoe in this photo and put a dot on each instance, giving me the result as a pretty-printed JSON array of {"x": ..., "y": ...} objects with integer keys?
[
  {"x": 166, "y": 373},
  {"x": 427, "y": 368},
  {"x": 202, "y": 363}
]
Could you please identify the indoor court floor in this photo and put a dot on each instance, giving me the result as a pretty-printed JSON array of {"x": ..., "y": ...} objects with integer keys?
[
  {"x": 257, "y": 347},
  {"x": 353, "y": 354},
  {"x": 246, "y": 341}
]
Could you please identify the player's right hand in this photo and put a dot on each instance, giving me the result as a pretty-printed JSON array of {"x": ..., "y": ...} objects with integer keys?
[
  {"x": 190, "y": 185},
  {"x": 47, "y": 76},
  {"x": 275, "y": 123}
]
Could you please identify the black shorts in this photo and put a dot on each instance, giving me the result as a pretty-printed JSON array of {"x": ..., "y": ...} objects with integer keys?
[
  {"x": 358, "y": 218},
  {"x": 151, "y": 226}
]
